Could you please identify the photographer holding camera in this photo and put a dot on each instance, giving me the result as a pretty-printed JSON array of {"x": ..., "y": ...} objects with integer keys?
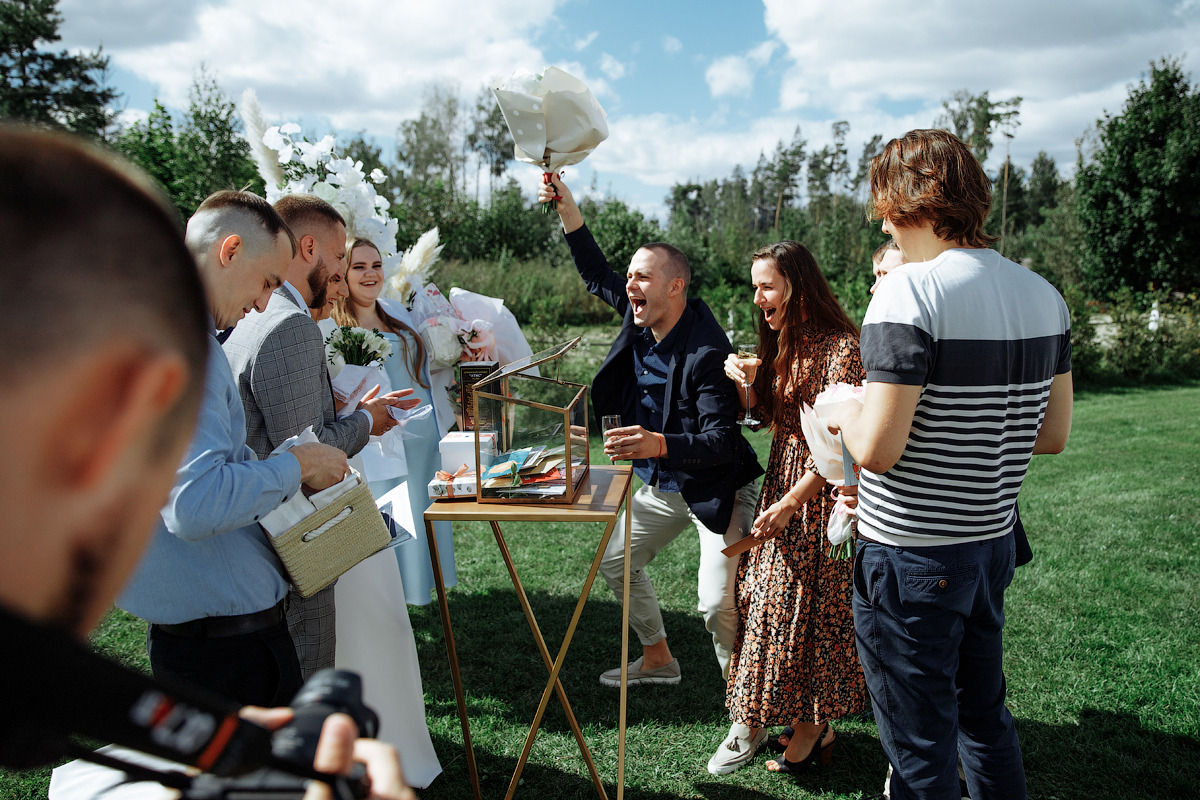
[{"x": 106, "y": 340}]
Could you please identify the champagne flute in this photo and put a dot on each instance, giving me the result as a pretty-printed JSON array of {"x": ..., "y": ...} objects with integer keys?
[
  {"x": 608, "y": 422},
  {"x": 748, "y": 360}
]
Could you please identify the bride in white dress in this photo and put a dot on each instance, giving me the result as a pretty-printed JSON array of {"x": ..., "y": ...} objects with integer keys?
[{"x": 374, "y": 635}]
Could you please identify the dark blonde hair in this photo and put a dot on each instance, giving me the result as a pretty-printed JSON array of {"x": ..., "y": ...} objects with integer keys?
[
  {"x": 303, "y": 212},
  {"x": 344, "y": 314},
  {"x": 806, "y": 294},
  {"x": 931, "y": 176}
]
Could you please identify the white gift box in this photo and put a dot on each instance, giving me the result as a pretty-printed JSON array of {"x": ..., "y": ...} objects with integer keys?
[
  {"x": 458, "y": 448},
  {"x": 463, "y": 487}
]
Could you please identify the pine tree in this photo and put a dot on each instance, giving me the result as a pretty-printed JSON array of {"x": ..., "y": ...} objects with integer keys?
[{"x": 58, "y": 89}]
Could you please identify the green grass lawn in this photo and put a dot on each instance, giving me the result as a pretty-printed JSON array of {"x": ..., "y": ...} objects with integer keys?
[{"x": 1103, "y": 648}]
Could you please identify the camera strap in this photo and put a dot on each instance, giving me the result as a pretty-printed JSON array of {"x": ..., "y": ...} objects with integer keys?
[{"x": 53, "y": 686}]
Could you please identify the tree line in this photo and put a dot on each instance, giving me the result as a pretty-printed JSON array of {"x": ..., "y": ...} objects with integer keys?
[{"x": 1126, "y": 221}]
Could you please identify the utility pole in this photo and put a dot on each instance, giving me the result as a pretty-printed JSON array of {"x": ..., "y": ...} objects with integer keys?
[{"x": 1004, "y": 203}]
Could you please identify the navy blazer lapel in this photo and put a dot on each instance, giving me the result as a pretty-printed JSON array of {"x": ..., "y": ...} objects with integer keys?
[{"x": 683, "y": 329}]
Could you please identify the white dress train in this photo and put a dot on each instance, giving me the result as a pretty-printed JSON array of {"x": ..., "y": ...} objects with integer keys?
[{"x": 375, "y": 639}]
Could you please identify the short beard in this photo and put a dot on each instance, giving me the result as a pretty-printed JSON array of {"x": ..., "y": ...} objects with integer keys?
[{"x": 318, "y": 284}]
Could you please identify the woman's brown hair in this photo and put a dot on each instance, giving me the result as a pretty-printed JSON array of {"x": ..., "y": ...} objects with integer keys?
[
  {"x": 343, "y": 314},
  {"x": 806, "y": 294}
]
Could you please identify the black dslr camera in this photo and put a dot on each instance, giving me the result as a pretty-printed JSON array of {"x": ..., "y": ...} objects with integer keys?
[
  {"x": 278, "y": 769},
  {"x": 52, "y": 687},
  {"x": 294, "y": 746}
]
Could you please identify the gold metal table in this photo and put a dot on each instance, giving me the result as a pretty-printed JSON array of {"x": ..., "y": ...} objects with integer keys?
[{"x": 606, "y": 489}]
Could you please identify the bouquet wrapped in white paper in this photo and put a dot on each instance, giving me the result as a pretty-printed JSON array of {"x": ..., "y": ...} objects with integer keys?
[
  {"x": 554, "y": 119},
  {"x": 826, "y": 449},
  {"x": 356, "y": 357}
]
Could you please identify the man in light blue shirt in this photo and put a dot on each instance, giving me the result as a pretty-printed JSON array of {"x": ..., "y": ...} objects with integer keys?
[{"x": 210, "y": 583}]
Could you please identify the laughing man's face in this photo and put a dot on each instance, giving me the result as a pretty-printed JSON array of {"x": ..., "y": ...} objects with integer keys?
[{"x": 648, "y": 288}]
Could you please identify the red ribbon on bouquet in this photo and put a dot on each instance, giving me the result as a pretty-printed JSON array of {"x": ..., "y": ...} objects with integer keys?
[{"x": 552, "y": 203}]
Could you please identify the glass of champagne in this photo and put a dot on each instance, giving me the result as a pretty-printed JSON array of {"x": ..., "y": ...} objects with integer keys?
[
  {"x": 607, "y": 423},
  {"x": 748, "y": 360}
]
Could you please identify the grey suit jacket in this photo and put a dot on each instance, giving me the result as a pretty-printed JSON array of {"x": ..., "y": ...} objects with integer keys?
[{"x": 278, "y": 358}]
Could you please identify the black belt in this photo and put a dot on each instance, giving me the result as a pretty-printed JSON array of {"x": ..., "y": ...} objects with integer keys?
[{"x": 221, "y": 627}]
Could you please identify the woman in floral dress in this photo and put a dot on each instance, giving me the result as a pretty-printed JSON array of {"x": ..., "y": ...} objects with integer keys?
[{"x": 794, "y": 661}]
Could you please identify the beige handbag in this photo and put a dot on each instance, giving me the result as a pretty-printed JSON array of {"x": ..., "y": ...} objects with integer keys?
[{"x": 321, "y": 547}]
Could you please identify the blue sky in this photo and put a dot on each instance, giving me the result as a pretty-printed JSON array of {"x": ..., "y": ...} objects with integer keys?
[{"x": 691, "y": 88}]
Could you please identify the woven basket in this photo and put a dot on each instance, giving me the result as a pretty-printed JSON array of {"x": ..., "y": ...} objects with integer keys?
[{"x": 315, "y": 561}]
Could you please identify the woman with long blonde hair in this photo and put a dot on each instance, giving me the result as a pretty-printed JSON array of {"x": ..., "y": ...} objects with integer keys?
[{"x": 407, "y": 368}]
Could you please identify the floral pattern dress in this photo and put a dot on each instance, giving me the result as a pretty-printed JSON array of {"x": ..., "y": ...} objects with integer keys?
[{"x": 794, "y": 657}]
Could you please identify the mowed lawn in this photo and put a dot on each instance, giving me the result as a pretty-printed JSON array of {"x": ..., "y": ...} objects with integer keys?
[{"x": 1102, "y": 646}]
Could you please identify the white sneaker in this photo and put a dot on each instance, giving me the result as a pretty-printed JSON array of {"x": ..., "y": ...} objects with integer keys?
[
  {"x": 668, "y": 674},
  {"x": 737, "y": 750}
]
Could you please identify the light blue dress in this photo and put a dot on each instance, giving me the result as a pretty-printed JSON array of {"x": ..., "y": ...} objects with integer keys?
[{"x": 421, "y": 437}]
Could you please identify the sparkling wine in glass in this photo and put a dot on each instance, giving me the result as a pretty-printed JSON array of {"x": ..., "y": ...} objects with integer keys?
[
  {"x": 748, "y": 360},
  {"x": 608, "y": 422}
]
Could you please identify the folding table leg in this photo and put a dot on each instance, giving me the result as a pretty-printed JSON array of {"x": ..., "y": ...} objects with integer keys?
[
  {"x": 552, "y": 666},
  {"x": 452, "y": 655},
  {"x": 624, "y": 645}
]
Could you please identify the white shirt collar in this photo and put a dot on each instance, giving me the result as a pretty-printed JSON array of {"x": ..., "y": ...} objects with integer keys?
[{"x": 299, "y": 298}]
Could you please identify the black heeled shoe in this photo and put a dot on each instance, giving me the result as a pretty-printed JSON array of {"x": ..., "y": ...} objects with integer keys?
[
  {"x": 822, "y": 752},
  {"x": 777, "y": 744}
]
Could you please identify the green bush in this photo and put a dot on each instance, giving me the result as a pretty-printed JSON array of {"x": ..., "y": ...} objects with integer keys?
[
  {"x": 538, "y": 293},
  {"x": 1169, "y": 352},
  {"x": 1086, "y": 354}
]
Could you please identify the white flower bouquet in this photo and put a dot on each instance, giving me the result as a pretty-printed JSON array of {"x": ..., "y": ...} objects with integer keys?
[
  {"x": 554, "y": 119},
  {"x": 826, "y": 449},
  {"x": 357, "y": 346},
  {"x": 356, "y": 357}
]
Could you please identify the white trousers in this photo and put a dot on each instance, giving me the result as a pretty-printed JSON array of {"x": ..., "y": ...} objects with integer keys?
[{"x": 658, "y": 517}]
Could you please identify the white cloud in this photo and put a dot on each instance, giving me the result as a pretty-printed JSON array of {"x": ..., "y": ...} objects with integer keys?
[
  {"x": 586, "y": 41},
  {"x": 1067, "y": 65},
  {"x": 882, "y": 65},
  {"x": 662, "y": 149},
  {"x": 613, "y": 68},
  {"x": 132, "y": 116},
  {"x": 363, "y": 67},
  {"x": 734, "y": 75}
]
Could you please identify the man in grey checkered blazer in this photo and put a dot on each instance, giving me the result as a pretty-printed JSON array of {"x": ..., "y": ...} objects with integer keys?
[{"x": 278, "y": 358}]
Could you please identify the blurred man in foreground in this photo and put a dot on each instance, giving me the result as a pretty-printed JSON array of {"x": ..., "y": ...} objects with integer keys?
[{"x": 103, "y": 376}]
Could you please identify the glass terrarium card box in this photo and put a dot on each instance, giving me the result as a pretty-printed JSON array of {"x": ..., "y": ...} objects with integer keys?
[{"x": 540, "y": 424}]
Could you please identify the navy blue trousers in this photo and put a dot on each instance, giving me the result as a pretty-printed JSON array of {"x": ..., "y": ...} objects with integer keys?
[
  {"x": 255, "y": 669},
  {"x": 929, "y": 624}
]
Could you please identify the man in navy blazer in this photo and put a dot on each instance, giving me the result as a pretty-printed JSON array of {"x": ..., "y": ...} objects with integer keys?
[{"x": 664, "y": 377}]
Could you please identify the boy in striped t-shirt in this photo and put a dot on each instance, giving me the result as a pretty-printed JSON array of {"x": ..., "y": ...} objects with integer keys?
[{"x": 968, "y": 361}]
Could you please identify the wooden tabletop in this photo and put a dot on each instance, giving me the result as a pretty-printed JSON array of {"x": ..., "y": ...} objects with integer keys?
[{"x": 603, "y": 492}]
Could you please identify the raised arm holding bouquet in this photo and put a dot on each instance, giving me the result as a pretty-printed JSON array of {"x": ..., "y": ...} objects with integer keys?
[{"x": 811, "y": 676}]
